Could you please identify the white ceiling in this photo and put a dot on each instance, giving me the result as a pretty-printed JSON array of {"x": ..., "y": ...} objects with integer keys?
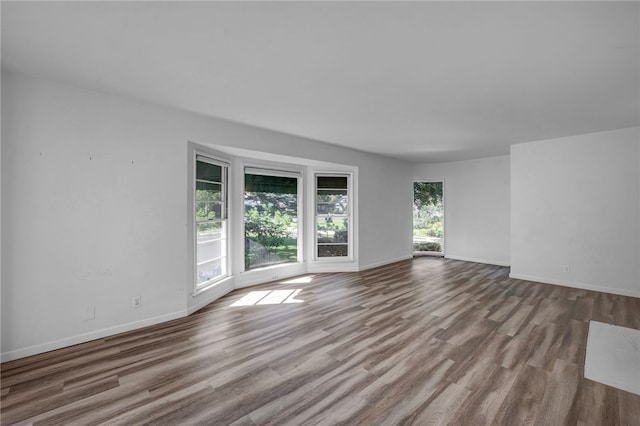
[{"x": 423, "y": 81}]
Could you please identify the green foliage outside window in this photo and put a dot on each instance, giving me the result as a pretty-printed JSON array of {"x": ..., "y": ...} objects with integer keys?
[
  {"x": 427, "y": 220},
  {"x": 332, "y": 230},
  {"x": 268, "y": 229},
  {"x": 208, "y": 201},
  {"x": 428, "y": 217},
  {"x": 427, "y": 193}
]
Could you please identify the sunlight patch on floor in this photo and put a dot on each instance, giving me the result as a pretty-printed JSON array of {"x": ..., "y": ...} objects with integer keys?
[{"x": 269, "y": 297}]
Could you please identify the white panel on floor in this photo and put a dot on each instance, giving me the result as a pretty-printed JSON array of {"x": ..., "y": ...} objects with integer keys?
[{"x": 613, "y": 356}]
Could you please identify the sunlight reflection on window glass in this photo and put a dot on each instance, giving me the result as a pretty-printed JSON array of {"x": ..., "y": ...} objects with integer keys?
[{"x": 269, "y": 297}]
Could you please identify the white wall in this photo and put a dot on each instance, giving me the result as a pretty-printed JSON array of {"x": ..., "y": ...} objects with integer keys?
[
  {"x": 476, "y": 197},
  {"x": 384, "y": 212},
  {"x": 94, "y": 209},
  {"x": 93, "y": 212},
  {"x": 575, "y": 202},
  {"x": 1, "y": 238}
]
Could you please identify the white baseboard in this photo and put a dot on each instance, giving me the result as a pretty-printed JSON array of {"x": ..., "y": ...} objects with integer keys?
[
  {"x": 476, "y": 260},
  {"x": 385, "y": 262},
  {"x": 582, "y": 286},
  {"x": 87, "y": 337}
]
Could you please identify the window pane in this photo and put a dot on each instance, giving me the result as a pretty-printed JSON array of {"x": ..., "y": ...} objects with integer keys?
[
  {"x": 334, "y": 203},
  {"x": 209, "y": 271},
  {"x": 332, "y": 216},
  {"x": 428, "y": 217},
  {"x": 271, "y": 220},
  {"x": 206, "y": 210},
  {"x": 209, "y": 249},
  {"x": 209, "y": 231},
  {"x": 210, "y": 216},
  {"x": 208, "y": 191},
  {"x": 332, "y": 229},
  {"x": 339, "y": 250},
  {"x": 206, "y": 171},
  {"x": 208, "y": 205},
  {"x": 334, "y": 182},
  {"x": 333, "y": 236}
]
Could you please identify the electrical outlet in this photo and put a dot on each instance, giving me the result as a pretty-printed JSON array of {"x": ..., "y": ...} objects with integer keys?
[
  {"x": 565, "y": 269},
  {"x": 136, "y": 302}
]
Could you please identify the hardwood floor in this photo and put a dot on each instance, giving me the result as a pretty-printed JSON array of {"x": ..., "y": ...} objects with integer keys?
[{"x": 425, "y": 341}]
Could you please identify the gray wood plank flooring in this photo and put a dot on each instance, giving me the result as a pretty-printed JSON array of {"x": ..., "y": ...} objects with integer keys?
[{"x": 425, "y": 341}]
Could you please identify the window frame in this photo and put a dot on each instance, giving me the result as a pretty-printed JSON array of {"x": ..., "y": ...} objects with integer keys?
[
  {"x": 349, "y": 217},
  {"x": 224, "y": 220}
]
